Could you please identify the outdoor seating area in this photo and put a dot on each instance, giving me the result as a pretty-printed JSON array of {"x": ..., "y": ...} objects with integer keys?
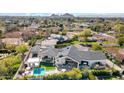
[
  {"x": 67, "y": 66},
  {"x": 98, "y": 65}
]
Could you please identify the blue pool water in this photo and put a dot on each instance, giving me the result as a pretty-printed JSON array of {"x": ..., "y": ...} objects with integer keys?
[{"x": 39, "y": 72}]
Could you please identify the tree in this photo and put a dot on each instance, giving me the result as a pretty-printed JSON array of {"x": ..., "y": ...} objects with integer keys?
[
  {"x": 75, "y": 74},
  {"x": 1, "y": 33},
  {"x": 86, "y": 33},
  {"x": 96, "y": 47},
  {"x": 10, "y": 47},
  {"x": 91, "y": 76},
  {"x": 21, "y": 48},
  {"x": 121, "y": 41},
  {"x": 119, "y": 28},
  {"x": 9, "y": 66}
]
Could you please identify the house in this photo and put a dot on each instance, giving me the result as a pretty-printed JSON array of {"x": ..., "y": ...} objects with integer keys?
[
  {"x": 38, "y": 42},
  {"x": 13, "y": 41},
  {"x": 15, "y": 34},
  {"x": 70, "y": 35},
  {"x": 49, "y": 43},
  {"x": 33, "y": 62},
  {"x": 115, "y": 53},
  {"x": 84, "y": 25},
  {"x": 39, "y": 54},
  {"x": 70, "y": 57},
  {"x": 60, "y": 38},
  {"x": 82, "y": 48},
  {"x": 34, "y": 57},
  {"x": 103, "y": 36},
  {"x": 25, "y": 34},
  {"x": 75, "y": 58}
]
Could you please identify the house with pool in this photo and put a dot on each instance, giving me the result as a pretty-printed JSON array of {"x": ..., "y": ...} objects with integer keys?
[{"x": 66, "y": 58}]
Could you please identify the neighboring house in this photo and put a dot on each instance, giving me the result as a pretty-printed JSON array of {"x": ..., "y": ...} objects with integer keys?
[
  {"x": 116, "y": 53},
  {"x": 82, "y": 48},
  {"x": 103, "y": 36},
  {"x": 15, "y": 34},
  {"x": 13, "y": 41},
  {"x": 21, "y": 34},
  {"x": 84, "y": 25},
  {"x": 60, "y": 38},
  {"x": 70, "y": 57},
  {"x": 93, "y": 39},
  {"x": 49, "y": 43},
  {"x": 70, "y": 35}
]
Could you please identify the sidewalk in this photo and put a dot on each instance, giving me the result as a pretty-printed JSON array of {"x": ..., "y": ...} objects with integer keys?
[{"x": 112, "y": 65}]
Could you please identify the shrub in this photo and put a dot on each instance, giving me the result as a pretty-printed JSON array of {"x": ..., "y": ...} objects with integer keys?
[
  {"x": 101, "y": 72},
  {"x": 74, "y": 74},
  {"x": 91, "y": 76}
]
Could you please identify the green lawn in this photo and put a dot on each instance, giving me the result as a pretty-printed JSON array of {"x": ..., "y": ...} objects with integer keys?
[
  {"x": 73, "y": 43},
  {"x": 47, "y": 66},
  {"x": 108, "y": 42},
  {"x": 78, "y": 42}
]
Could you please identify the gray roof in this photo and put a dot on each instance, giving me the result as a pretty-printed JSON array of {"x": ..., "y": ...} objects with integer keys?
[
  {"x": 79, "y": 56},
  {"x": 36, "y": 48},
  {"x": 38, "y": 42},
  {"x": 51, "y": 52}
]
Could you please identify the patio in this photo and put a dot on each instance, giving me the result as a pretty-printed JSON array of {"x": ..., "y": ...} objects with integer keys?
[{"x": 67, "y": 66}]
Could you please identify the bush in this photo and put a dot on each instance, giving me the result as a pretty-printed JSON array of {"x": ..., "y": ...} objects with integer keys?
[
  {"x": 74, "y": 74},
  {"x": 116, "y": 73},
  {"x": 91, "y": 76},
  {"x": 101, "y": 72},
  {"x": 96, "y": 47}
]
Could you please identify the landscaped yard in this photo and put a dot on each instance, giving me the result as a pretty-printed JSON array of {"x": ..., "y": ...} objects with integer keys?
[
  {"x": 47, "y": 66},
  {"x": 108, "y": 42},
  {"x": 78, "y": 42},
  {"x": 73, "y": 43}
]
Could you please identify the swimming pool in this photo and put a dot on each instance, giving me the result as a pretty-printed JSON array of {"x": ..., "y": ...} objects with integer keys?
[{"x": 39, "y": 72}]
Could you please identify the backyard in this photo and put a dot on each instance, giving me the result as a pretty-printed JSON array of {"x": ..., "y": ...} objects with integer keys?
[
  {"x": 47, "y": 66},
  {"x": 73, "y": 43}
]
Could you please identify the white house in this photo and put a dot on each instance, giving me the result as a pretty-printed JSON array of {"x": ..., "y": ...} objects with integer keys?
[{"x": 33, "y": 62}]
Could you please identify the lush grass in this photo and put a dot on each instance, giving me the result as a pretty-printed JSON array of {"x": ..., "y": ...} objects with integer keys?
[
  {"x": 74, "y": 43},
  {"x": 47, "y": 66},
  {"x": 78, "y": 42},
  {"x": 108, "y": 42}
]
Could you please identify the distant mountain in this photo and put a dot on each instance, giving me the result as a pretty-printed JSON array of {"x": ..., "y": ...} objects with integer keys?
[
  {"x": 67, "y": 15},
  {"x": 101, "y": 15},
  {"x": 54, "y": 16}
]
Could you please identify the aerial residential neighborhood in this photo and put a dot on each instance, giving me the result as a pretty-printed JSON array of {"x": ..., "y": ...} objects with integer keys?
[{"x": 61, "y": 47}]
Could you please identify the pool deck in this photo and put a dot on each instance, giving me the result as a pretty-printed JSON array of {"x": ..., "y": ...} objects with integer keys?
[{"x": 50, "y": 72}]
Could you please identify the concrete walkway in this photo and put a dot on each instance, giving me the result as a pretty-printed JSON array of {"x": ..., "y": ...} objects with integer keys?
[{"x": 112, "y": 65}]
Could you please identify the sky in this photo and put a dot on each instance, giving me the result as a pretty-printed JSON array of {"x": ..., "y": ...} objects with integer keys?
[{"x": 61, "y": 6}]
